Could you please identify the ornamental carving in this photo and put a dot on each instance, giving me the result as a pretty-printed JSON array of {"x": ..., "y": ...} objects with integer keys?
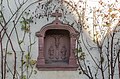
[
  {"x": 56, "y": 42},
  {"x": 56, "y": 47}
]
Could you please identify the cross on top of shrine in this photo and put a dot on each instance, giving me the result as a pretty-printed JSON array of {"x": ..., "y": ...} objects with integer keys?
[{"x": 56, "y": 15}]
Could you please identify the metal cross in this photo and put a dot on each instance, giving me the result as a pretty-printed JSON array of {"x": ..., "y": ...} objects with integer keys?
[{"x": 56, "y": 15}]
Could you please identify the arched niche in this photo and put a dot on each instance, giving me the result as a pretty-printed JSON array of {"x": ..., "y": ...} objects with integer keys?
[{"x": 56, "y": 44}]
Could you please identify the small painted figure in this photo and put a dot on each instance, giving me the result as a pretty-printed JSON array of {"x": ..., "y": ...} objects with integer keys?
[
  {"x": 51, "y": 52},
  {"x": 63, "y": 53}
]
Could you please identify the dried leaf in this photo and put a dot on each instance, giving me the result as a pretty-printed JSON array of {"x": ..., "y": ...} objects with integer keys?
[
  {"x": 113, "y": 15},
  {"x": 35, "y": 72},
  {"x": 110, "y": 10},
  {"x": 9, "y": 53},
  {"x": 108, "y": 24}
]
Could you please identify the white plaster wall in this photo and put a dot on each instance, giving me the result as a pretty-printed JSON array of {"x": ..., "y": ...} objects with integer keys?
[
  {"x": 58, "y": 75},
  {"x": 34, "y": 53}
]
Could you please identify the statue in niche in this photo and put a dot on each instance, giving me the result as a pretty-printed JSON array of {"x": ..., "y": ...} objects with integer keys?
[
  {"x": 51, "y": 52},
  {"x": 63, "y": 53}
]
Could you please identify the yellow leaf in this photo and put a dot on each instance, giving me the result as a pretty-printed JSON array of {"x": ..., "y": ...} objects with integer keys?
[
  {"x": 32, "y": 62},
  {"x": 27, "y": 56},
  {"x": 110, "y": 10}
]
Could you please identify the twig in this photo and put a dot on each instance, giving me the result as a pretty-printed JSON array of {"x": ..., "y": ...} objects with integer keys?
[
  {"x": 90, "y": 72},
  {"x": 2, "y": 73},
  {"x": 13, "y": 51},
  {"x": 9, "y": 7},
  {"x": 79, "y": 62}
]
